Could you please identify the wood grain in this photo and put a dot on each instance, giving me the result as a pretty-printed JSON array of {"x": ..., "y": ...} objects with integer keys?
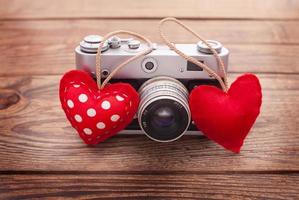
[
  {"x": 35, "y": 136},
  {"x": 47, "y": 47},
  {"x": 226, "y": 31},
  {"x": 211, "y": 9},
  {"x": 42, "y": 157},
  {"x": 148, "y": 186}
]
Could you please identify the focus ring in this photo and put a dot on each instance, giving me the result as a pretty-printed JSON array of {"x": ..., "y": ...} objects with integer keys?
[{"x": 159, "y": 95}]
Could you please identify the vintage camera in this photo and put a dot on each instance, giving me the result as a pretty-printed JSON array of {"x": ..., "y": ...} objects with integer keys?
[{"x": 162, "y": 77}]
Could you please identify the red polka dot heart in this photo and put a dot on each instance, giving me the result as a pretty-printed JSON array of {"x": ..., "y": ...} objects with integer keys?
[{"x": 96, "y": 114}]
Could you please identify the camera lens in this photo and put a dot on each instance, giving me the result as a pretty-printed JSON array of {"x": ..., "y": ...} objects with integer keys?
[{"x": 163, "y": 112}]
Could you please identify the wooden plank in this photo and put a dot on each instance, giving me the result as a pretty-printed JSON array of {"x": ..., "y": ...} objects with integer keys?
[
  {"x": 246, "y": 9},
  {"x": 36, "y": 136},
  {"x": 47, "y": 47},
  {"x": 148, "y": 186},
  {"x": 227, "y": 31}
]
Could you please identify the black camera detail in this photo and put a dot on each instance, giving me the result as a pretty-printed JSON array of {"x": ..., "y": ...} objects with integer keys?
[
  {"x": 149, "y": 65},
  {"x": 192, "y": 67}
]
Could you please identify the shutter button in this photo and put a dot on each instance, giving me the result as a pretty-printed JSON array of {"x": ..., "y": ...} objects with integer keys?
[
  {"x": 114, "y": 42},
  {"x": 93, "y": 39},
  {"x": 202, "y": 47},
  {"x": 133, "y": 44}
]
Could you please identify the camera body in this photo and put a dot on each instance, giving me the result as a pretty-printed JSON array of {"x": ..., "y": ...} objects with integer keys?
[{"x": 162, "y": 77}]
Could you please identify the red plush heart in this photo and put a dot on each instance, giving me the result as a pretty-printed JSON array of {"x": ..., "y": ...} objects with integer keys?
[
  {"x": 227, "y": 118},
  {"x": 96, "y": 114}
]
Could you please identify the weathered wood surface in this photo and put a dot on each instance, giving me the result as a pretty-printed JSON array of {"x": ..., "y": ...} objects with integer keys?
[
  {"x": 151, "y": 186},
  {"x": 210, "y": 9},
  {"x": 41, "y": 156}
]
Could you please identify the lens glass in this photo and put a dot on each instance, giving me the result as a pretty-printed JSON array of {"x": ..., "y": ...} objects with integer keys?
[
  {"x": 163, "y": 117},
  {"x": 165, "y": 120}
]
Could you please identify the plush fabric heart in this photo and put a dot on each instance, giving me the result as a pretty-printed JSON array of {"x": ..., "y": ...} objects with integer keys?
[
  {"x": 227, "y": 118},
  {"x": 96, "y": 114}
]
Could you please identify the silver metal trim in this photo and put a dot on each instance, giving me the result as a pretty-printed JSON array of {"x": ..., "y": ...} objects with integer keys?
[
  {"x": 158, "y": 88},
  {"x": 202, "y": 47},
  {"x": 146, "y": 60}
]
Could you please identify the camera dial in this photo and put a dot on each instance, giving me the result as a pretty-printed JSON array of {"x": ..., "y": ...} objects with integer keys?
[
  {"x": 93, "y": 39},
  {"x": 202, "y": 47},
  {"x": 133, "y": 44},
  {"x": 90, "y": 44},
  {"x": 114, "y": 42}
]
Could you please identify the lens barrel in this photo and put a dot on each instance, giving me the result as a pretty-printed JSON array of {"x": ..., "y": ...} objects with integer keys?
[{"x": 163, "y": 112}]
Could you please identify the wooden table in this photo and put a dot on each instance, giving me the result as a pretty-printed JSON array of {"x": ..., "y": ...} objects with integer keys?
[{"x": 41, "y": 156}]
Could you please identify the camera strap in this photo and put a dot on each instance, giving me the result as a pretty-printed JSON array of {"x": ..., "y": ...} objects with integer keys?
[
  {"x": 98, "y": 56},
  {"x": 223, "y": 82}
]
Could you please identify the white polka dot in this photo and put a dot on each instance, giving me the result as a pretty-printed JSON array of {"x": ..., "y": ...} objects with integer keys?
[
  {"x": 106, "y": 105},
  {"x": 130, "y": 103},
  {"x": 101, "y": 125},
  {"x": 78, "y": 118},
  {"x": 76, "y": 85},
  {"x": 91, "y": 112},
  {"x": 114, "y": 118},
  {"x": 70, "y": 103},
  {"x": 119, "y": 98},
  {"x": 87, "y": 131},
  {"x": 83, "y": 98}
]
